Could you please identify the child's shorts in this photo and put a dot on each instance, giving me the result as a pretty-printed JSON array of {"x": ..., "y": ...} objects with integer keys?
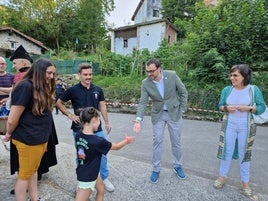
[{"x": 86, "y": 185}]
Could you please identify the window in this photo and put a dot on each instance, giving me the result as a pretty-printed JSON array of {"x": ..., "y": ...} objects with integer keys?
[
  {"x": 13, "y": 45},
  {"x": 155, "y": 13},
  {"x": 169, "y": 38},
  {"x": 125, "y": 43}
]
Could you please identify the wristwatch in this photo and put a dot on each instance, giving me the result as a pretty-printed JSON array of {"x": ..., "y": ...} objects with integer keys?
[{"x": 251, "y": 108}]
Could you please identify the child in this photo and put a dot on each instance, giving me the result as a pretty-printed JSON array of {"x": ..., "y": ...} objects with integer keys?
[{"x": 89, "y": 150}]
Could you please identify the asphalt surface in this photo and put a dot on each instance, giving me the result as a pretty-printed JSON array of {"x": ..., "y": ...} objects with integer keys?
[{"x": 130, "y": 167}]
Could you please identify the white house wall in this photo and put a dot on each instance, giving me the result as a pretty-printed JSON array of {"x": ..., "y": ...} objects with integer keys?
[
  {"x": 153, "y": 5},
  {"x": 150, "y": 36},
  {"x": 142, "y": 13},
  {"x": 119, "y": 45},
  {"x": 145, "y": 13},
  {"x": 28, "y": 45}
]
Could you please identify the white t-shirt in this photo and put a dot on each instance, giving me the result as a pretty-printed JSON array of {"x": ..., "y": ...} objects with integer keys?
[{"x": 239, "y": 97}]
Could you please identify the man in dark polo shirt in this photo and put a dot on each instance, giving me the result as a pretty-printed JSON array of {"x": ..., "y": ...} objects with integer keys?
[{"x": 85, "y": 94}]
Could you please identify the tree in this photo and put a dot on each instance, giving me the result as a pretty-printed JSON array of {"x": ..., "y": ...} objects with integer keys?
[
  {"x": 178, "y": 9},
  {"x": 10, "y": 17},
  {"x": 57, "y": 23},
  {"x": 218, "y": 37},
  {"x": 238, "y": 29},
  {"x": 90, "y": 25}
]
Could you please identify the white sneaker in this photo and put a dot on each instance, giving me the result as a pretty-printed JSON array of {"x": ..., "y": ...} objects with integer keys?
[{"x": 108, "y": 185}]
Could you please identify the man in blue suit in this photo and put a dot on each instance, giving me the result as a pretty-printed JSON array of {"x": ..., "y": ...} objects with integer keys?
[{"x": 169, "y": 101}]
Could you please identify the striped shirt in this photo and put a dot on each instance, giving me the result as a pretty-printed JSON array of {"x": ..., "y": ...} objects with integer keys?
[{"x": 6, "y": 81}]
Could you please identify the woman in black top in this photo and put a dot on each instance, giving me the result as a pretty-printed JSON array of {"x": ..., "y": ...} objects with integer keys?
[{"x": 29, "y": 123}]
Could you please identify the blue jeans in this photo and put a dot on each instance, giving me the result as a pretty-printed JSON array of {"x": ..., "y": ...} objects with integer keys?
[{"x": 104, "y": 170}]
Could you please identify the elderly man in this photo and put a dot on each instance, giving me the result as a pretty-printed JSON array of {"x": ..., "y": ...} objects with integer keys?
[
  {"x": 22, "y": 62},
  {"x": 6, "y": 82}
]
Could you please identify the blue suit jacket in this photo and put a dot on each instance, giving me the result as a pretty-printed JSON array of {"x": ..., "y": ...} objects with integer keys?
[{"x": 175, "y": 97}]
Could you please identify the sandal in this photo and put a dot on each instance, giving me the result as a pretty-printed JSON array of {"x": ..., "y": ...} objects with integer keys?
[
  {"x": 250, "y": 194},
  {"x": 219, "y": 183},
  {"x": 39, "y": 199}
]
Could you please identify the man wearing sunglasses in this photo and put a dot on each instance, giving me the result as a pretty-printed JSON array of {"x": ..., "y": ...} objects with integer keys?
[{"x": 169, "y": 100}]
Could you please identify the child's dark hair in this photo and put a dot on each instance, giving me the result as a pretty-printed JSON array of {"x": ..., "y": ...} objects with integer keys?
[{"x": 87, "y": 114}]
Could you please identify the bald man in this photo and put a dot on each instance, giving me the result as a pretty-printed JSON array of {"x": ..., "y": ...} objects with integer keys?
[{"x": 6, "y": 82}]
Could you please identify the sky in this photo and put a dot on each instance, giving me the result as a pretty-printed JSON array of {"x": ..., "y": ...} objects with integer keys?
[{"x": 124, "y": 10}]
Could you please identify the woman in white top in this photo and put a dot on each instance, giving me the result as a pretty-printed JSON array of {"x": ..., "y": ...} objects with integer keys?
[{"x": 238, "y": 129}]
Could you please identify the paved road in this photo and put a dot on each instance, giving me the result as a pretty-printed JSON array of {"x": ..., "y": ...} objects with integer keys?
[{"x": 130, "y": 167}]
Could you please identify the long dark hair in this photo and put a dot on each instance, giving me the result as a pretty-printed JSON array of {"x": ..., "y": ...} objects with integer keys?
[{"x": 43, "y": 91}]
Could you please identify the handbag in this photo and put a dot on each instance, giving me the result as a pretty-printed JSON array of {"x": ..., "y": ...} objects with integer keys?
[{"x": 260, "y": 118}]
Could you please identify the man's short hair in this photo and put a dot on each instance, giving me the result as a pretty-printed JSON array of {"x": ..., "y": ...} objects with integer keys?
[
  {"x": 83, "y": 66},
  {"x": 153, "y": 61}
]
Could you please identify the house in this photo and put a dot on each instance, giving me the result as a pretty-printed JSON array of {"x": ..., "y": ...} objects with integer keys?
[
  {"x": 148, "y": 31},
  {"x": 147, "y": 11},
  {"x": 11, "y": 38},
  {"x": 211, "y": 2}
]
